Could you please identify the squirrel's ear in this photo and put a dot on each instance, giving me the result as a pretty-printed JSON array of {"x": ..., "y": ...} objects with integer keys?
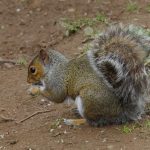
[{"x": 44, "y": 56}]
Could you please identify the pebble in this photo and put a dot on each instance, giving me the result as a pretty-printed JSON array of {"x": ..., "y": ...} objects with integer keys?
[
  {"x": 2, "y": 148},
  {"x": 13, "y": 142},
  {"x": 18, "y": 10},
  {"x": 43, "y": 100},
  {"x": 71, "y": 10},
  {"x": 102, "y": 131},
  {"x": 62, "y": 141},
  {"x": 65, "y": 132},
  {"x": 51, "y": 130},
  {"x": 110, "y": 147},
  {"x": 45, "y": 14},
  {"x": 88, "y": 31},
  {"x": 2, "y": 27},
  {"x": 89, "y": 1},
  {"x": 8, "y": 65},
  {"x": 1, "y": 136},
  {"x": 38, "y": 9},
  {"x": 104, "y": 140}
]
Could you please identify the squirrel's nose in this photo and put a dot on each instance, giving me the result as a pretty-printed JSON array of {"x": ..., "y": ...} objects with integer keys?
[{"x": 29, "y": 80}]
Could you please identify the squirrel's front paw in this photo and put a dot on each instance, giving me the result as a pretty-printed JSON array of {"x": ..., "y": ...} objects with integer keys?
[{"x": 34, "y": 90}]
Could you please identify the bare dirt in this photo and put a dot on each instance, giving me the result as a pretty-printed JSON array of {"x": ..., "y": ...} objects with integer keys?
[{"x": 25, "y": 27}]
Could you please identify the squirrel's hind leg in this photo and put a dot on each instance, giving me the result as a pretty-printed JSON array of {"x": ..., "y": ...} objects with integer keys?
[
  {"x": 79, "y": 111},
  {"x": 98, "y": 123},
  {"x": 121, "y": 119}
]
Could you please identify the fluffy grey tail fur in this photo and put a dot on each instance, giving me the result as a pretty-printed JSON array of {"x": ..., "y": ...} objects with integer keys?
[{"x": 117, "y": 56}]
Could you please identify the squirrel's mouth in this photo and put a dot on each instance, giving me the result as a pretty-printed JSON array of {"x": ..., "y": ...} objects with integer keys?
[{"x": 39, "y": 83}]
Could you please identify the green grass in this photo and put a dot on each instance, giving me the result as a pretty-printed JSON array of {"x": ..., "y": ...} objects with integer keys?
[
  {"x": 56, "y": 123},
  {"x": 132, "y": 7},
  {"x": 129, "y": 128},
  {"x": 147, "y": 124},
  {"x": 22, "y": 61},
  {"x": 74, "y": 26},
  {"x": 86, "y": 48},
  {"x": 148, "y": 8},
  {"x": 126, "y": 129},
  {"x": 101, "y": 18}
]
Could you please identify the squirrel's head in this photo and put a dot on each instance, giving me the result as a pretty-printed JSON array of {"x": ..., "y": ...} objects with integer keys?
[
  {"x": 42, "y": 63},
  {"x": 36, "y": 69}
]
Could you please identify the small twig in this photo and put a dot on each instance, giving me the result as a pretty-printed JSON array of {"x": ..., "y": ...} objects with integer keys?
[
  {"x": 57, "y": 134},
  {"x": 5, "y": 119},
  {"x": 87, "y": 40},
  {"x": 34, "y": 114},
  {"x": 2, "y": 61}
]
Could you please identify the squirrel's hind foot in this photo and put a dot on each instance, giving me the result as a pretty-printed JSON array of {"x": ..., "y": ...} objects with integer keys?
[{"x": 74, "y": 122}]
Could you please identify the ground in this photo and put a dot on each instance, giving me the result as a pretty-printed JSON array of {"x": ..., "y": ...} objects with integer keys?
[{"x": 26, "y": 26}]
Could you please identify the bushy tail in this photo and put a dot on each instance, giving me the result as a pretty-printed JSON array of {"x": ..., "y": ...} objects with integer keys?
[{"x": 118, "y": 57}]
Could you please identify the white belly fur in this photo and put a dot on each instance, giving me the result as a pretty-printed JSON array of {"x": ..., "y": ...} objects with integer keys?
[{"x": 79, "y": 104}]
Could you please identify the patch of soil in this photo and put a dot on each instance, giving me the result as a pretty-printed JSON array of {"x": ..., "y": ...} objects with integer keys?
[{"x": 25, "y": 27}]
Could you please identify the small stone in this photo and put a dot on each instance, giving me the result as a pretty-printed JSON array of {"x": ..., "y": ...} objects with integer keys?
[
  {"x": 43, "y": 100},
  {"x": 62, "y": 141},
  {"x": 110, "y": 147},
  {"x": 38, "y": 9},
  {"x": 71, "y": 10},
  {"x": 10, "y": 52},
  {"x": 85, "y": 14},
  {"x": 20, "y": 34},
  {"x": 1, "y": 136},
  {"x": 65, "y": 132},
  {"x": 30, "y": 12},
  {"x": 89, "y": 1},
  {"x": 102, "y": 131},
  {"x": 8, "y": 65},
  {"x": 22, "y": 22},
  {"x": 42, "y": 27},
  {"x": 51, "y": 130},
  {"x": 88, "y": 31},
  {"x": 117, "y": 140},
  {"x": 104, "y": 140},
  {"x": 1, "y": 147},
  {"x": 2, "y": 27},
  {"x": 13, "y": 142},
  {"x": 45, "y": 14},
  {"x": 18, "y": 10},
  {"x": 49, "y": 104}
]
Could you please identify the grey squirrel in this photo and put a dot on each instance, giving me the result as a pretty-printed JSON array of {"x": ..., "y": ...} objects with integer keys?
[{"x": 108, "y": 83}]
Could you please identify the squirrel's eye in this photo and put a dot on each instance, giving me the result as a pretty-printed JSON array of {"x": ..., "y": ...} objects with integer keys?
[{"x": 32, "y": 69}]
